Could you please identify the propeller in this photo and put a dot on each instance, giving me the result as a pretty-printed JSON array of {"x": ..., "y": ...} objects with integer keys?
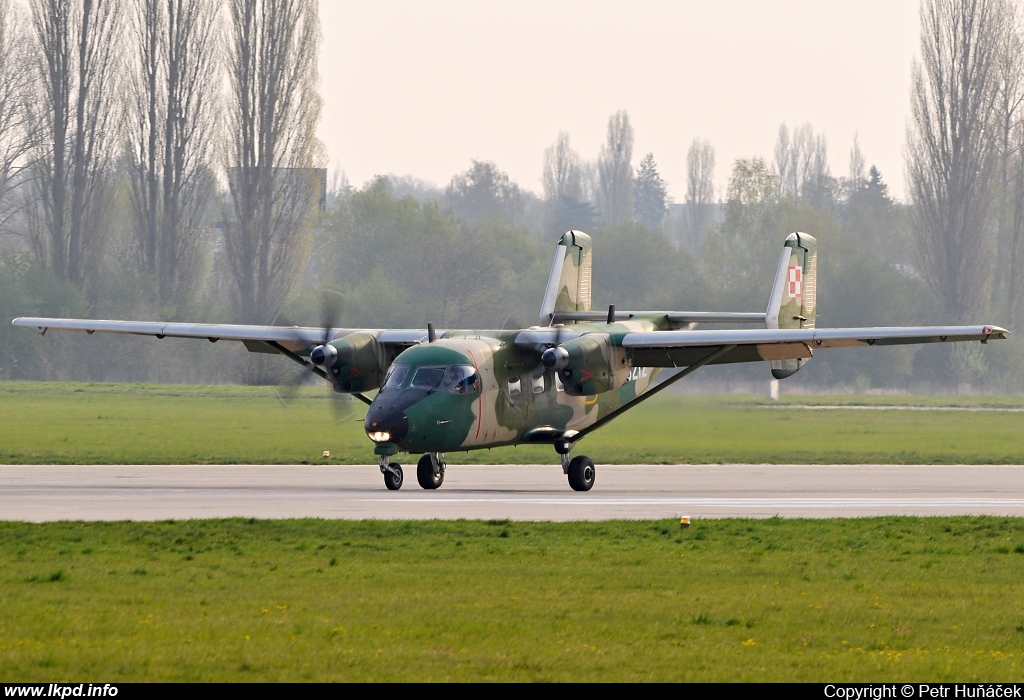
[
  {"x": 332, "y": 304},
  {"x": 553, "y": 356}
]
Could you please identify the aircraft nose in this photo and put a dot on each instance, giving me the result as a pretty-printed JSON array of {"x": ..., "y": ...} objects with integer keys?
[{"x": 386, "y": 423}]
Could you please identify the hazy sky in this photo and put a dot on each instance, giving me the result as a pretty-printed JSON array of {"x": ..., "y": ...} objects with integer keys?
[{"x": 423, "y": 88}]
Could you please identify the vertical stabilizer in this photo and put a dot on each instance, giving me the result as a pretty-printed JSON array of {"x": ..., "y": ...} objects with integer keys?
[
  {"x": 793, "y": 302},
  {"x": 568, "y": 286}
]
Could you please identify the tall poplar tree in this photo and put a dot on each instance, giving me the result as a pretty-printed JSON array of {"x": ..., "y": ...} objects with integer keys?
[{"x": 275, "y": 184}]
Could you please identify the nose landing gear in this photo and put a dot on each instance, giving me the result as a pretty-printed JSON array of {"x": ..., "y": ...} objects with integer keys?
[{"x": 393, "y": 476}]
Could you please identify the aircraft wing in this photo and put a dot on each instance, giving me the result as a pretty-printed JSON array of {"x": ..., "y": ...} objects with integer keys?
[
  {"x": 685, "y": 348},
  {"x": 296, "y": 339}
]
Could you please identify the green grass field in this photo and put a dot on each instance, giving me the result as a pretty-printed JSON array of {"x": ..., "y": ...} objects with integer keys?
[
  {"x": 150, "y": 424},
  {"x": 747, "y": 600},
  {"x": 728, "y": 600}
]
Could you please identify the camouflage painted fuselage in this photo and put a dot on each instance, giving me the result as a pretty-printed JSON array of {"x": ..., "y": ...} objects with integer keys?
[{"x": 512, "y": 402}]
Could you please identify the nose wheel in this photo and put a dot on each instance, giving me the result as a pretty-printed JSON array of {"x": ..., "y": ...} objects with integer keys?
[
  {"x": 393, "y": 476},
  {"x": 430, "y": 470}
]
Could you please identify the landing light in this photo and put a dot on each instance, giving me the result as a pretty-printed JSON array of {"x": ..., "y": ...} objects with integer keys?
[{"x": 380, "y": 436}]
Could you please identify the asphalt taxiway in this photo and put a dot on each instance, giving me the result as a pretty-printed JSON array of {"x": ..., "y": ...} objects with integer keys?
[{"x": 518, "y": 492}]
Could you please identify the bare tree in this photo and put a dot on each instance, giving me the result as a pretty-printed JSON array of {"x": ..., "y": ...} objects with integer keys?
[
  {"x": 857, "y": 166},
  {"x": 700, "y": 189},
  {"x": 590, "y": 181},
  {"x": 14, "y": 96},
  {"x": 801, "y": 162},
  {"x": 951, "y": 147},
  {"x": 1010, "y": 201},
  {"x": 275, "y": 186},
  {"x": 1009, "y": 228},
  {"x": 565, "y": 179},
  {"x": 75, "y": 118},
  {"x": 562, "y": 173},
  {"x": 173, "y": 85},
  {"x": 615, "y": 170},
  {"x": 783, "y": 156},
  {"x": 1014, "y": 199}
]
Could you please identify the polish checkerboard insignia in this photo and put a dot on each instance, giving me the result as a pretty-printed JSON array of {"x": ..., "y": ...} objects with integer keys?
[{"x": 795, "y": 281}]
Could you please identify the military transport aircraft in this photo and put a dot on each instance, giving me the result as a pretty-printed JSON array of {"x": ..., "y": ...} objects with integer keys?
[{"x": 553, "y": 383}]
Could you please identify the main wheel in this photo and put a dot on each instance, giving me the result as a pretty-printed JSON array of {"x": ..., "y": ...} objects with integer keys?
[
  {"x": 393, "y": 477},
  {"x": 425, "y": 473},
  {"x": 581, "y": 473}
]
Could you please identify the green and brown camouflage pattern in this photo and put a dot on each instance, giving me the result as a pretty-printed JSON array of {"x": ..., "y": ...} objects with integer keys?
[
  {"x": 570, "y": 282},
  {"x": 359, "y": 365},
  {"x": 509, "y": 406}
]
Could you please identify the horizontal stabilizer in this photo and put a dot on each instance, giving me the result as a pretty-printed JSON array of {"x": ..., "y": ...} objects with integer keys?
[{"x": 674, "y": 317}]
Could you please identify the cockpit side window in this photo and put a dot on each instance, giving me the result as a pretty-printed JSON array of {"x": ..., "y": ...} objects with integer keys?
[
  {"x": 395, "y": 376},
  {"x": 460, "y": 379}
]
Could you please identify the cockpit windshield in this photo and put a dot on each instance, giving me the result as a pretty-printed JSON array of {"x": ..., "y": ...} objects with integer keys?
[
  {"x": 451, "y": 379},
  {"x": 427, "y": 378}
]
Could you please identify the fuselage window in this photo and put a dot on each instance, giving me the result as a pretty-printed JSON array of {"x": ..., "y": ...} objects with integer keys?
[
  {"x": 538, "y": 384},
  {"x": 514, "y": 386},
  {"x": 558, "y": 383}
]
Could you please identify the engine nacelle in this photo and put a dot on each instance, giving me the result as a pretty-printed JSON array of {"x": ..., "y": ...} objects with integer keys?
[
  {"x": 353, "y": 361},
  {"x": 589, "y": 365}
]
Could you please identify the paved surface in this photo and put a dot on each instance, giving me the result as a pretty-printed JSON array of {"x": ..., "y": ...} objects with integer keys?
[{"x": 520, "y": 492}]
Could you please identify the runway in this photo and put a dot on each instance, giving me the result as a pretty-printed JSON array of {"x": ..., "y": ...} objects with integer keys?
[{"x": 517, "y": 492}]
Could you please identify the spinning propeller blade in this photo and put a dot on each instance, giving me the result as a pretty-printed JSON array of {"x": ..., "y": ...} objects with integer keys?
[{"x": 332, "y": 305}]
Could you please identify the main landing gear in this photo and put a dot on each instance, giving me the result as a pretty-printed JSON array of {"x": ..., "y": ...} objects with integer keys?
[
  {"x": 429, "y": 471},
  {"x": 579, "y": 469}
]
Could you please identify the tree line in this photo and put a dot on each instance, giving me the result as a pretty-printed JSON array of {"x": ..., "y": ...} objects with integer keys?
[{"x": 158, "y": 159}]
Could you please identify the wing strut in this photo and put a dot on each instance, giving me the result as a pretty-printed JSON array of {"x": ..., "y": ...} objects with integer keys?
[{"x": 671, "y": 380}]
